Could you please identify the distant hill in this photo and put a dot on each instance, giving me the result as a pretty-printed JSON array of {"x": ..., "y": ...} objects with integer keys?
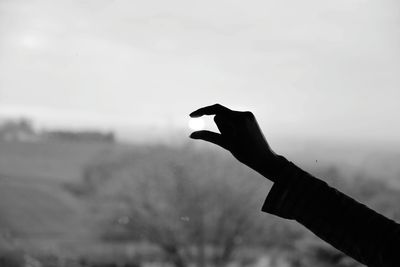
[
  {"x": 372, "y": 161},
  {"x": 49, "y": 160},
  {"x": 36, "y": 209},
  {"x": 34, "y": 202}
]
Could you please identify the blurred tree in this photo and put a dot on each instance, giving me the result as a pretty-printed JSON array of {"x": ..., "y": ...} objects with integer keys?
[
  {"x": 190, "y": 219},
  {"x": 197, "y": 207},
  {"x": 312, "y": 251},
  {"x": 17, "y": 130},
  {"x": 201, "y": 208}
]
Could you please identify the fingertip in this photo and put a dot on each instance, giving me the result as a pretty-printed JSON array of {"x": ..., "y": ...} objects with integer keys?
[
  {"x": 202, "y": 134},
  {"x": 193, "y": 135},
  {"x": 195, "y": 114}
]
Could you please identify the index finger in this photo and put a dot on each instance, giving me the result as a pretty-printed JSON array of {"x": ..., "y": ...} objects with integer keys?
[{"x": 210, "y": 110}]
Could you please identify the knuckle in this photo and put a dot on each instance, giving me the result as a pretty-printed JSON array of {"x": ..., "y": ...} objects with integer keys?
[{"x": 248, "y": 114}]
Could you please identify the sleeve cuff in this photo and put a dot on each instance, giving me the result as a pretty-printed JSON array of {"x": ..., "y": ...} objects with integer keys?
[{"x": 292, "y": 193}]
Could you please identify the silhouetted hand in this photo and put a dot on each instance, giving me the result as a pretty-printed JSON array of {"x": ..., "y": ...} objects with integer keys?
[{"x": 241, "y": 135}]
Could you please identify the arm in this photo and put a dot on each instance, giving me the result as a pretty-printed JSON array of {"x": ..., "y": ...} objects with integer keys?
[
  {"x": 341, "y": 221},
  {"x": 351, "y": 227}
]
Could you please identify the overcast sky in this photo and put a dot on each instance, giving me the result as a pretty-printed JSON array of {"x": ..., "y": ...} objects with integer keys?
[{"x": 307, "y": 68}]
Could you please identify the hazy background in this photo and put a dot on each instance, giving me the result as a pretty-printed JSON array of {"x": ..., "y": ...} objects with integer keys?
[
  {"x": 306, "y": 68},
  {"x": 96, "y": 167}
]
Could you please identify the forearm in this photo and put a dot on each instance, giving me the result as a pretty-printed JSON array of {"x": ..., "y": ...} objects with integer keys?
[{"x": 336, "y": 218}]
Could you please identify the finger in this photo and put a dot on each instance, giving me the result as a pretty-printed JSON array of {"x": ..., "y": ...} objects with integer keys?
[
  {"x": 210, "y": 110},
  {"x": 209, "y": 136},
  {"x": 223, "y": 124}
]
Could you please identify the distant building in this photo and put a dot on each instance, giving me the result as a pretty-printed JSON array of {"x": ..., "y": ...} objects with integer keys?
[
  {"x": 23, "y": 130},
  {"x": 18, "y": 130},
  {"x": 80, "y": 136}
]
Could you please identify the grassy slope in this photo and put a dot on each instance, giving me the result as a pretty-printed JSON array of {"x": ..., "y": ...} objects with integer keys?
[
  {"x": 351, "y": 160},
  {"x": 38, "y": 210},
  {"x": 55, "y": 161},
  {"x": 32, "y": 200}
]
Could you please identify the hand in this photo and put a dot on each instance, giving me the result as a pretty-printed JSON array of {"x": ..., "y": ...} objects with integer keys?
[{"x": 241, "y": 135}]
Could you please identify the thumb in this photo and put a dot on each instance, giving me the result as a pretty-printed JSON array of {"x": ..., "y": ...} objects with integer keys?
[{"x": 209, "y": 136}]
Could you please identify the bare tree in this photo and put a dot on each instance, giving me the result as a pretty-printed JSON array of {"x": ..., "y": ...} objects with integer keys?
[
  {"x": 191, "y": 218},
  {"x": 197, "y": 207}
]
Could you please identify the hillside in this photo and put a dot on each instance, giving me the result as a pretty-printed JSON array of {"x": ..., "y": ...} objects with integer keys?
[
  {"x": 373, "y": 161},
  {"x": 51, "y": 161},
  {"x": 35, "y": 205},
  {"x": 39, "y": 210},
  {"x": 33, "y": 200}
]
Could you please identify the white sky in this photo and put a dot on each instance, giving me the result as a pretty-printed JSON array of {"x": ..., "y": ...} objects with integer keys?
[{"x": 308, "y": 68}]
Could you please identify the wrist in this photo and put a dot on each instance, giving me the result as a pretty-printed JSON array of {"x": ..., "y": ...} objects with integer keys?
[
  {"x": 272, "y": 169},
  {"x": 280, "y": 165}
]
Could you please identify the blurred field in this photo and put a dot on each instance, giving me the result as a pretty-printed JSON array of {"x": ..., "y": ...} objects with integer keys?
[
  {"x": 33, "y": 200},
  {"x": 40, "y": 208},
  {"x": 48, "y": 160},
  {"x": 375, "y": 161}
]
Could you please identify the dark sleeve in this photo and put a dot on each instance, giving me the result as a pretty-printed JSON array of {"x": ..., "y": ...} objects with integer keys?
[{"x": 351, "y": 227}]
